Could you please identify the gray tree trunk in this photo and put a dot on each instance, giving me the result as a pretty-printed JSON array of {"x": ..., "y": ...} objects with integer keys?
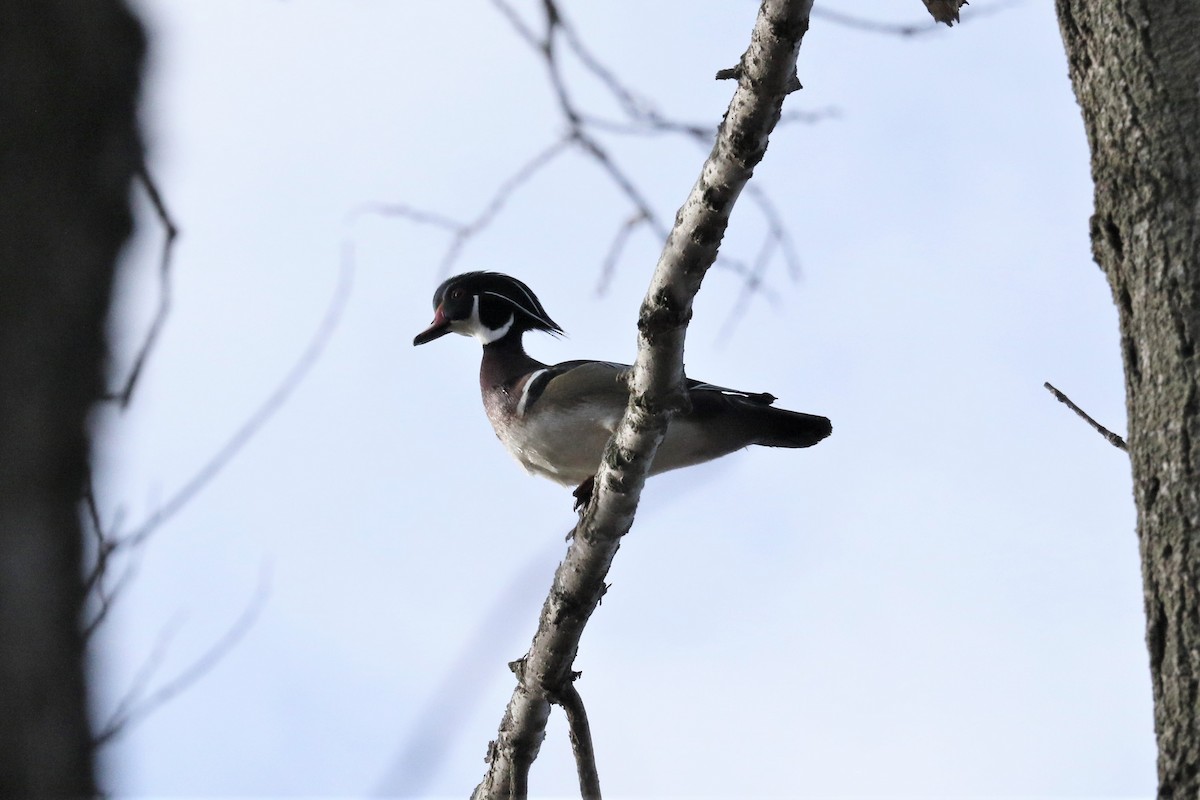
[
  {"x": 69, "y": 74},
  {"x": 1135, "y": 66}
]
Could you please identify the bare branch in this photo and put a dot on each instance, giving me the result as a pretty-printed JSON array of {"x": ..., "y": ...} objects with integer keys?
[
  {"x": 105, "y": 544},
  {"x": 581, "y": 739},
  {"x": 609, "y": 267},
  {"x": 655, "y": 390},
  {"x": 141, "y": 679},
  {"x": 170, "y": 232},
  {"x": 643, "y": 117},
  {"x": 130, "y": 709},
  {"x": 464, "y": 231},
  {"x": 261, "y": 415},
  {"x": 1113, "y": 439},
  {"x": 418, "y": 215},
  {"x": 873, "y": 26},
  {"x": 623, "y": 182},
  {"x": 105, "y": 597},
  {"x": 942, "y": 11},
  {"x": 751, "y": 284}
]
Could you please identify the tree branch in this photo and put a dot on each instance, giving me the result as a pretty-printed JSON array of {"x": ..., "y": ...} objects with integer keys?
[
  {"x": 170, "y": 232},
  {"x": 1113, "y": 439},
  {"x": 581, "y": 739},
  {"x": 131, "y": 708},
  {"x": 244, "y": 434},
  {"x": 767, "y": 75}
]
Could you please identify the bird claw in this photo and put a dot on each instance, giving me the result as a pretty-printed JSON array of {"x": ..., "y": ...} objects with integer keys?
[{"x": 583, "y": 492}]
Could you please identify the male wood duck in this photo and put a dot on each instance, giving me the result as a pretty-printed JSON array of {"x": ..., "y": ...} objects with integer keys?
[{"x": 557, "y": 419}]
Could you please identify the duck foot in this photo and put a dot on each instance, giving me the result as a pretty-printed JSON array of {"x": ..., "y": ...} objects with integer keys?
[{"x": 583, "y": 492}]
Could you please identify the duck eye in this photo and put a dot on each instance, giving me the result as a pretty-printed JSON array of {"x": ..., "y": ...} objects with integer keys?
[{"x": 457, "y": 294}]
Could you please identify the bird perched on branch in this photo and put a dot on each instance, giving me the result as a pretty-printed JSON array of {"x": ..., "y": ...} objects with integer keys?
[{"x": 557, "y": 419}]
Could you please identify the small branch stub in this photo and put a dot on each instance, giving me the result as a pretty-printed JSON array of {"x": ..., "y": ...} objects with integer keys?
[
  {"x": 945, "y": 10},
  {"x": 1113, "y": 439}
]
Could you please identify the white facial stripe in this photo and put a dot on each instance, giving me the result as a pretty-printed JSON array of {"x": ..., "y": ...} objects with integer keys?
[
  {"x": 525, "y": 392},
  {"x": 533, "y": 314},
  {"x": 482, "y": 332}
]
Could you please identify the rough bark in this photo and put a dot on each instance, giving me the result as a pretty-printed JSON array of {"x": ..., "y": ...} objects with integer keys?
[
  {"x": 766, "y": 74},
  {"x": 69, "y": 74},
  {"x": 1135, "y": 66}
]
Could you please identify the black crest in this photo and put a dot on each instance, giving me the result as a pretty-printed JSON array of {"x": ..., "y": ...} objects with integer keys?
[{"x": 499, "y": 297}]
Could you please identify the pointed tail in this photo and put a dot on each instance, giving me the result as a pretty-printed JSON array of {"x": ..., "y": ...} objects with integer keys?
[{"x": 782, "y": 428}]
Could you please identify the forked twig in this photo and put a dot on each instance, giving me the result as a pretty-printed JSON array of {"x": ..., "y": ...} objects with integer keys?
[
  {"x": 462, "y": 232},
  {"x": 170, "y": 232},
  {"x": 558, "y": 36},
  {"x": 131, "y": 709}
]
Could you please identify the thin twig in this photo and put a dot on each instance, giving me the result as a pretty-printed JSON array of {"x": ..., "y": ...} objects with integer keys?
[
  {"x": 463, "y": 232},
  {"x": 418, "y": 215},
  {"x": 261, "y": 415},
  {"x": 873, "y": 26},
  {"x": 1113, "y": 439},
  {"x": 141, "y": 679},
  {"x": 106, "y": 598},
  {"x": 913, "y": 28},
  {"x": 502, "y": 195},
  {"x": 130, "y": 709},
  {"x": 581, "y": 739},
  {"x": 609, "y": 267},
  {"x": 752, "y": 284},
  {"x": 125, "y": 394},
  {"x": 643, "y": 119},
  {"x": 106, "y": 545},
  {"x": 623, "y": 182}
]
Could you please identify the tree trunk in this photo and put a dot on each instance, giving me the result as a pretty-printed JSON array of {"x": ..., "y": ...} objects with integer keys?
[
  {"x": 69, "y": 74},
  {"x": 1135, "y": 66}
]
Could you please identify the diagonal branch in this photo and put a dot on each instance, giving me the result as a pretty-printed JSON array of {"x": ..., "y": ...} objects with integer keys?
[
  {"x": 463, "y": 232},
  {"x": 170, "y": 232},
  {"x": 134, "y": 707},
  {"x": 244, "y": 434},
  {"x": 1113, "y": 439},
  {"x": 767, "y": 75}
]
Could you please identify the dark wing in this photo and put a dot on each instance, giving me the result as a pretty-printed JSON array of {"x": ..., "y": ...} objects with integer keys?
[
  {"x": 572, "y": 383},
  {"x": 753, "y": 413},
  {"x": 758, "y": 398}
]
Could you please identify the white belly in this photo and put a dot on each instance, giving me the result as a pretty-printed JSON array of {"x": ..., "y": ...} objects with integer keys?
[{"x": 565, "y": 447}]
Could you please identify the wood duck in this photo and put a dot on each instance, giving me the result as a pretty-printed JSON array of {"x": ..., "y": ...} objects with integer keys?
[{"x": 557, "y": 419}]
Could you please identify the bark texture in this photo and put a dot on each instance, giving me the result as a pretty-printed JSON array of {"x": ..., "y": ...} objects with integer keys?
[
  {"x": 1135, "y": 66},
  {"x": 69, "y": 75},
  {"x": 766, "y": 75}
]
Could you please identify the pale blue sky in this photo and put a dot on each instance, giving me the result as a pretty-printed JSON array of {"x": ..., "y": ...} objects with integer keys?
[{"x": 941, "y": 599}]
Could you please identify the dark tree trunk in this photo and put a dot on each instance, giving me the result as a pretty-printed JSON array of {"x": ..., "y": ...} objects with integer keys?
[
  {"x": 1135, "y": 66},
  {"x": 69, "y": 74}
]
